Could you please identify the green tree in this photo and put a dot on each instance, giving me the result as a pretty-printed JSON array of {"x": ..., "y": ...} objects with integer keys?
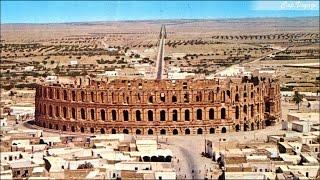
[{"x": 297, "y": 98}]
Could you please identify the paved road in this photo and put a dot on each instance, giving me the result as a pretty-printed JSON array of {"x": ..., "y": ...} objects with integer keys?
[{"x": 160, "y": 57}]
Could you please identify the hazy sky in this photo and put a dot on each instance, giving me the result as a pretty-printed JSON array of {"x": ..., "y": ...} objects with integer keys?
[{"x": 71, "y": 11}]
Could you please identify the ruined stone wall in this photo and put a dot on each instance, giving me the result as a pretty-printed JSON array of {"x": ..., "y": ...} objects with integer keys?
[{"x": 159, "y": 107}]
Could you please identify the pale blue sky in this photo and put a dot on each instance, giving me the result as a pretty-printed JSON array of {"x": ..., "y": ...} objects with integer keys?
[{"x": 71, "y": 11}]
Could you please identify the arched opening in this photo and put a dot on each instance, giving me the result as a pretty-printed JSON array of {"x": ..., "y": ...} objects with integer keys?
[
  {"x": 73, "y": 113},
  {"x": 114, "y": 115},
  {"x": 163, "y": 132},
  {"x": 65, "y": 95},
  {"x": 113, "y": 131},
  {"x": 103, "y": 114},
  {"x": 138, "y": 131},
  {"x": 223, "y": 113},
  {"x": 187, "y": 115},
  {"x": 168, "y": 159},
  {"x": 50, "y": 111},
  {"x": 252, "y": 126},
  {"x": 199, "y": 131},
  {"x": 162, "y": 97},
  {"x": 268, "y": 122},
  {"x": 150, "y": 115},
  {"x": 162, "y": 115},
  {"x": 73, "y": 129},
  {"x": 138, "y": 115},
  {"x": 102, "y": 97},
  {"x": 186, "y": 97},
  {"x": 252, "y": 110},
  {"x": 125, "y": 115},
  {"x": 237, "y": 98},
  {"x": 44, "y": 109},
  {"x": 50, "y": 126},
  {"x": 237, "y": 112},
  {"x": 187, "y": 131},
  {"x": 146, "y": 159},
  {"x": 92, "y": 97},
  {"x": 102, "y": 131},
  {"x": 91, "y": 130},
  {"x": 65, "y": 112},
  {"x": 83, "y": 113},
  {"x": 175, "y": 132},
  {"x": 150, "y": 99},
  {"x": 211, "y": 96},
  {"x": 211, "y": 114},
  {"x": 245, "y": 109},
  {"x": 150, "y": 132},
  {"x": 57, "y": 127},
  {"x": 125, "y": 131},
  {"x": 228, "y": 93},
  {"x": 57, "y": 111},
  {"x": 174, "y": 115},
  {"x": 245, "y": 127},
  {"x": 92, "y": 114},
  {"x": 44, "y": 125},
  {"x": 258, "y": 125},
  {"x": 64, "y": 128},
  {"x": 82, "y": 129},
  {"x": 237, "y": 128},
  {"x": 154, "y": 159},
  {"x": 174, "y": 98},
  {"x": 73, "y": 94},
  {"x": 212, "y": 131},
  {"x": 223, "y": 130},
  {"x": 199, "y": 114},
  {"x": 57, "y": 94},
  {"x": 82, "y": 96},
  {"x": 223, "y": 98}
]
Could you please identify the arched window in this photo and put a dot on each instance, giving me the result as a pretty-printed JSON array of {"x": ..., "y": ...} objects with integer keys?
[
  {"x": 92, "y": 97},
  {"x": 50, "y": 111},
  {"x": 138, "y": 131},
  {"x": 125, "y": 115},
  {"x": 44, "y": 110},
  {"x": 150, "y": 99},
  {"x": 50, "y": 126},
  {"x": 83, "y": 113},
  {"x": 252, "y": 110},
  {"x": 211, "y": 96},
  {"x": 73, "y": 112},
  {"x": 228, "y": 93},
  {"x": 175, "y": 132},
  {"x": 73, "y": 95},
  {"x": 245, "y": 109},
  {"x": 174, "y": 98},
  {"x": 103, "y": 114},
  {"x": 150, "y": 115},
  {"x": 50, "y": 93},
  {"x": 113, "y": 131},
  {"x": 252, "y": 95},
  {"x": 211, "y": 114},
  {"x": 73, "y": 129},
  {"x": 162, "y": 115},
  {"x": 199, "y": 114},
  {"x": 102, "y": 131},
  {"x": 138, "y": 115},
  {"x": 187, "y": 115},
  {"x": 223, "y": 130},
  {"x": 175, "y": 115},
  {"x": 237, "y": 112},
  {"x": 125, "y": 131},
  {"x": 65, "y": 95},
  {"x": 212, "y": 131},
  {"x": 237, "y": 98},
  {"x": 223, "y": 113},
  {"x": 237, "y": 128},
  {"x": 163, "y": 132},
  {"x": 187, "y": 131},
  {"x": 102, "y": 97},
  {"x": 91, "y": 130},
  {"x": 64, "y": 128},
  {"x": 82, "y": 96},
  {"x": 223, "y": 96},
  {"x": 57, "y": 111},
  {"x": 186, "y": 97},
  {"x": 65, "y": 112},
  {"x": 162, "y": 97},
  {"x": 244, "y": 95},
  {"x": 57, "y": 94},
  {"x": 114, "y": 115},
  {"x": 150, "y": 131},
  {"x": 199, "y": 131},
  {"x": 252, "y": 126},
  {"x": 92, "y": 114}
]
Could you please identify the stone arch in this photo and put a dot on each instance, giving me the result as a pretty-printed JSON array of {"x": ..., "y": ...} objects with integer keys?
[
  {"x": 50, "y": 111},
  {"x": 252, "y": 110},
  {"x": 163, "y": 132},
  {"x": 125, "y": 115},
  {"x": 174, "y": 115},
  {"x": 114, "y": 115},
  {"x": 57, "y": 93},
  {"x": 138, "y": 115},
  {"x": 44, "y": 110},
  {"x": 245, "y": 127},
  {"x": 113, "y": 131},
  {"x": 73, "y": 94},
  {"x": 83, "y": 113},
  {"x": 73, "y": 113},
  {"x": 65, "y": 112},
  {"x": 65, "y": 95},
  {"x": 82, "y": 129},
  {"x": 103, "y": 114},
  {"x": 199, "y": 131},
  {"x": 83, "y": 97},
  {"x": 102, "y": 131},
  {"x": 211, "y": 96},
  {"x": 102, "y": 97},
  {"x": 64, "y": 128},
  {"x": 212, "y": 130},
  {"x": 162, "y": 115},
  {"x": 252, "y": 126},
  {"x": 125, "y": 131},
  {"x": 224, "y": 130},
  {"x": 73, "y": 129},
  {"x": 150, "y": 115},
  {"x": 92, "y": 114},
  {"x": 150, "y": 132},
  {"x": 237, "y": 98},
  {"x": 174, "y": 99},
  {"x": 57, "y": 111},
  {"x": 211, "y": 113},
  {"x": 44, "y": 124},
  {"x": 237, "y": 128},
  {"x": 223, "y": 96},
  {"x": 223, "y": 113},
  {"x": 138, "y": 131},
  {"x": 57, "y": 127},
  {"x": 92, "y": 96},
  {"x": 162, "y": 97},
  {"x": 91, "y": 130},
  {"x": 187, "y": 115},
  {"x": 151, "y": 99},
  {"x": 245, "y": 109},
  {"x": 237, "y": 112},
  {"x": 50, "y": 126},
  {"x": 175, "y": 132},
  {"x": 199, "y": 114},
  {"x": 187, "y": 131},
  {"x": 228, "y": 93}
]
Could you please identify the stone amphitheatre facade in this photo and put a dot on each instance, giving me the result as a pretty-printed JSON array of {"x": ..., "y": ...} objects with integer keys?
[{"x": 162, "y": 107}]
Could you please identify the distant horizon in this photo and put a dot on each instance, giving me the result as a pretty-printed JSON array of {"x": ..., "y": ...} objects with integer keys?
[
  {"x": 48, "y": 12},
  {"x": 181, "y": 19}
]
